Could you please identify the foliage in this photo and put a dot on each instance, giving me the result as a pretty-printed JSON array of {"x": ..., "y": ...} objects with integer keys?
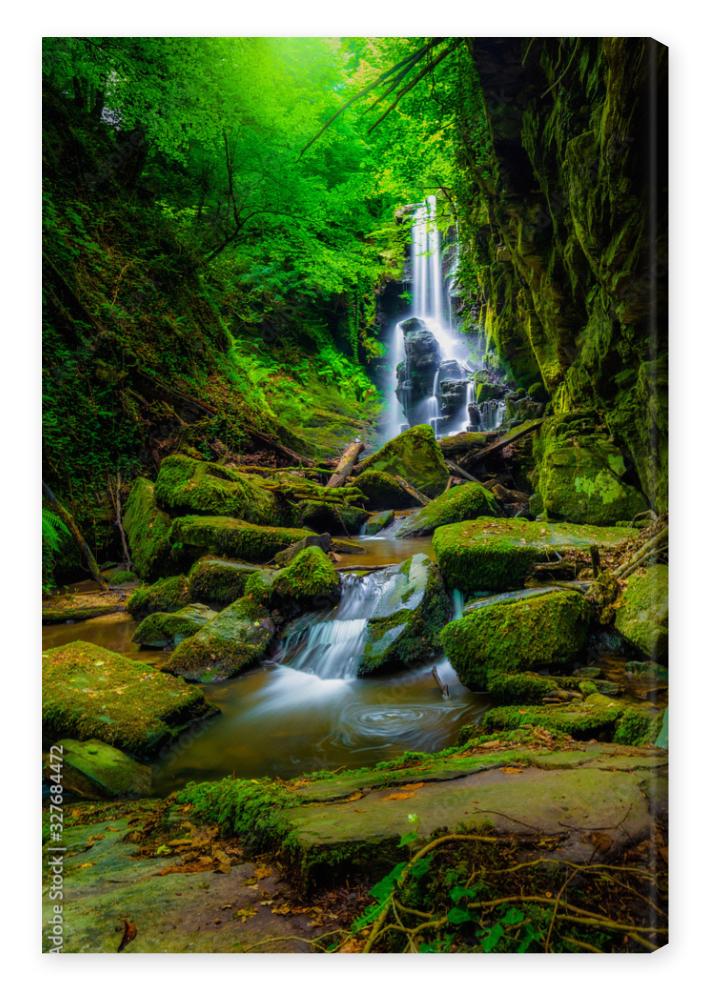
[{"x": 54, "y": 535}]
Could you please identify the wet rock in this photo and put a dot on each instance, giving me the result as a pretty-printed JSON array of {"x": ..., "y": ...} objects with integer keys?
[
  {"x": 529, "y": 633},
  {"x": 219, "y": 581},
  {"x": 163, "y": 630},
  {"x": 335, "y": 519},
  {"x": 95, "y": 770},
  {"x": 453, "y": 394},
  {"x": 323, "y": 542},
  {"x": 81, "y": 607},
  {"x": 497, "y": 554},
  {"x": 148, "y": 532},
  {"x": 231, "y": 642},
  {"x": 227, "y": 536},
  {"x": 309, "y": 582},
  {"x": 404, "y": 629},
  {"x": 168, "y": 594},
  {"x": 461, "y": 503},
  {"x": 642, "y": 615},
  {"x": 415, "y": 455},
  {"x": 187, "y": 486},
  {"x": 382, "y": 490},
  {"x": 377, "y": 522},
  {"x": 92, "y": 693}
]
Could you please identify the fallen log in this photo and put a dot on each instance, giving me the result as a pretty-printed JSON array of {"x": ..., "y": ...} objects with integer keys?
[
  {"x": 475, "y": 457},
  {"x": 73, "y": 527},
  {"x": 346, "y": 464},
  {"x": 461, "y": 473},
  {"x": 415, "y": 494}
]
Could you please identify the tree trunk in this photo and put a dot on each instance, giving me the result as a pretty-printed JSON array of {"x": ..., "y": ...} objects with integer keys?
[
  {"x": 346, "y": 464},
  {"x": 77, "y": 536}
]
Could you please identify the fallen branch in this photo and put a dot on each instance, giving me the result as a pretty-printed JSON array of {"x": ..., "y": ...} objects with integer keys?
[
  {"x": 73, "y": 527},
  {"x": 346, "y": 464},
  {"x": 415, "y": 494},
  {"x": 475, "y": 457},
  {"x": 652, "y": 547},
  {"x": 114, "y": 492},
  {"x": 454, "y": 467}
]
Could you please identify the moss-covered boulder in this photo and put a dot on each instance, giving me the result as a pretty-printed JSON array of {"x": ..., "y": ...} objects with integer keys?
[
  {"x": 460, "y": 444},
  {"x": 219, "y": 581},
  {"x": 148, "y": 531},
  {"x": 168, "y": 629},
  {"x": 233, "y": 640},
  {"x": 404, "y": 629},
  {"x": 415, "y": 455},
  {"x": 491, "y": 554},
  {"x": 79, "y": 607},
  {"x": 382, "y": 490},
  {"x": 333, "y": 518},
  {"x": 310, "y": 581},
  {"x": 541, "y": 631},
  {"x": 643, "y": 611},
  {"x": 187, "y": 486},
  {"x": 168, "y": 594},
  {"x": 95, "y": 770},
  {"x": 92, "y": 693},
  {"x": 581, "y": 474},
  {"x": 227, "y": 536},
  {"x": 378, "y": 522},
  {"x": 462, "y": 503}
]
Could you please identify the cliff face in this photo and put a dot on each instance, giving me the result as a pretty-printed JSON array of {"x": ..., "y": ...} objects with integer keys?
[{"x": 565, "y": 221}]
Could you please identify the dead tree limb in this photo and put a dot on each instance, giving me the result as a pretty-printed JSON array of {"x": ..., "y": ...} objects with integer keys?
[
  {"x": 73, "y": 527},
  {"x": 114, "y": 493},
  {"x": 346, "y": 464}
]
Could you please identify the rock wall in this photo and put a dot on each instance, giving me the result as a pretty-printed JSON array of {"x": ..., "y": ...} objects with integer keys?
[{"x": 564, "y": 227}]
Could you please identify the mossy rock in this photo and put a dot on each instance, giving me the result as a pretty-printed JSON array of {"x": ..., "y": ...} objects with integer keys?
[
  {"x": 460, "y": 444},
  {"x": 187, "y": 486},
  {"x": 310, "y": 581},
  {"x": 219, "y": 581},
  {"x": 404, "y": 629},
  {"x": 378, "y": 522},
  {"x": 382, "y": 490},
  {"x": 232, "y": 641},
  {"x": 227, "y": 536},
  {"x": 462, "y": 503},
  {"x": 580, "y": 475},
  {"x": 485, "y": 391},
  {"x": 525, "y": 688},
  {"x": 168, "y": 594},
  {"x": 495, "y": 554},
  {"x": 583, "y": 720},
  {"x": 415, "y": 455},
  {"x": 95, "y": 770},
  {"x": 642, "y": 615},
  {"x": 525, "y": 634},
  {"x": 335, "y": 519},
  {"x": 79, "y": 607},
  {"x": 92, "y": 693},
  {"x": 168, "y": 629},
  {"x": 148, "y": 532}
]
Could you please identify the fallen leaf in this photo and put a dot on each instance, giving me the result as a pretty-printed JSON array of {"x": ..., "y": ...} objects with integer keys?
[
  {"x": 398, "y": 795},
  {"x": 511, "y": 770},
  {"x": 354, "y": 796},
  {"x": 412, "y": 787},
  {"x": 129, "y": 933},
  {"x": 262, "y": 871},
  {"x": 245, "y": 913}
]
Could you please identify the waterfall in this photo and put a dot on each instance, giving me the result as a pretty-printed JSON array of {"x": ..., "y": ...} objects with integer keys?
[{"x": 331, "y": 645}]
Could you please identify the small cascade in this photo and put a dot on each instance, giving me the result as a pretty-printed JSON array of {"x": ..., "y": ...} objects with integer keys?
[{"x": 331, "y": 645}]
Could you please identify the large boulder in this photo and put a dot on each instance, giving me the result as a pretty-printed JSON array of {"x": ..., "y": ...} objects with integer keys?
[
  {"x": 94, "y": 770},
  {"x": 331, "y": 518},
  {"x": 415, "y": 455},
  {"x": 228, "y": 536},
  {"x": 382, "y": 491},
  {"x": 309, "y": 582},
  {"x": 148, "y": 532},
  {"x": 404, "y": 628},
  {"x": 220, "y": 581},
  {"x": 546, "y": 630},
  {"x": 581, "y": 474},
  {"x": 643, "y": 611},
  {"x": 163, "y": 630},
  {"x": 495, "y": 554},
  {"x": 231, "y": 642},
  {"x": 188, "y": 486},
  {"x": 458, "y": 504},
  {"x": 92, "y": 693},
  {"x": 169, "y": 594},
  {"x": 423, "y": 357},
  {"x": 378, "y": 522}
]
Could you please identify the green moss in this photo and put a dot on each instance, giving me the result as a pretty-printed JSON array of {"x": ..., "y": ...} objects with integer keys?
[
  {"x": 169, "y": 594},
  {"x": 461, "y": 503},
  {"x": 642, "y": 615},
  {"x": 378, "y": 522},
  {"x": 227, "y": 536},
  {"x": 336, "y": 519},
  {"x": 583, "y": 721},
  {"x": 232, "y": 641},
  {"x": 409, "y": 633},
  {"x": 415, "y": 455},
  {"x": 259, "y": 585},
  {"x": 93, "y": 769},
  {"x": 163, "y": 629},
  {"x": 218, "y": 581},
  {"x": 519, "y": 688},
  {"x": 148, "y": 532},
  {"x": 309, "y": 581},
  {"x": 499, "y": 553},
  {"x": 381, "y": 490},
  {"x": 251, "y": 810},
  {"x": 92, "y": 693},
  {"x": 510, "y": 637},
  {"x": 638, "y": 727},
  {"x": 187, "y": 486}
]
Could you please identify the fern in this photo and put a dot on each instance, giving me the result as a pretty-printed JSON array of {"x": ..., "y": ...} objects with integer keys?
[{"x": 54, "y": 534}]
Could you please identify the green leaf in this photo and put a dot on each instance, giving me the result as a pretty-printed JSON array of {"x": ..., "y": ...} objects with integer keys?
[{"x": 458, "y": 916}]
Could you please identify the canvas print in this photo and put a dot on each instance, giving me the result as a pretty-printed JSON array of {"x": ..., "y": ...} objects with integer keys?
[{"x": 354, "y": 500}]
